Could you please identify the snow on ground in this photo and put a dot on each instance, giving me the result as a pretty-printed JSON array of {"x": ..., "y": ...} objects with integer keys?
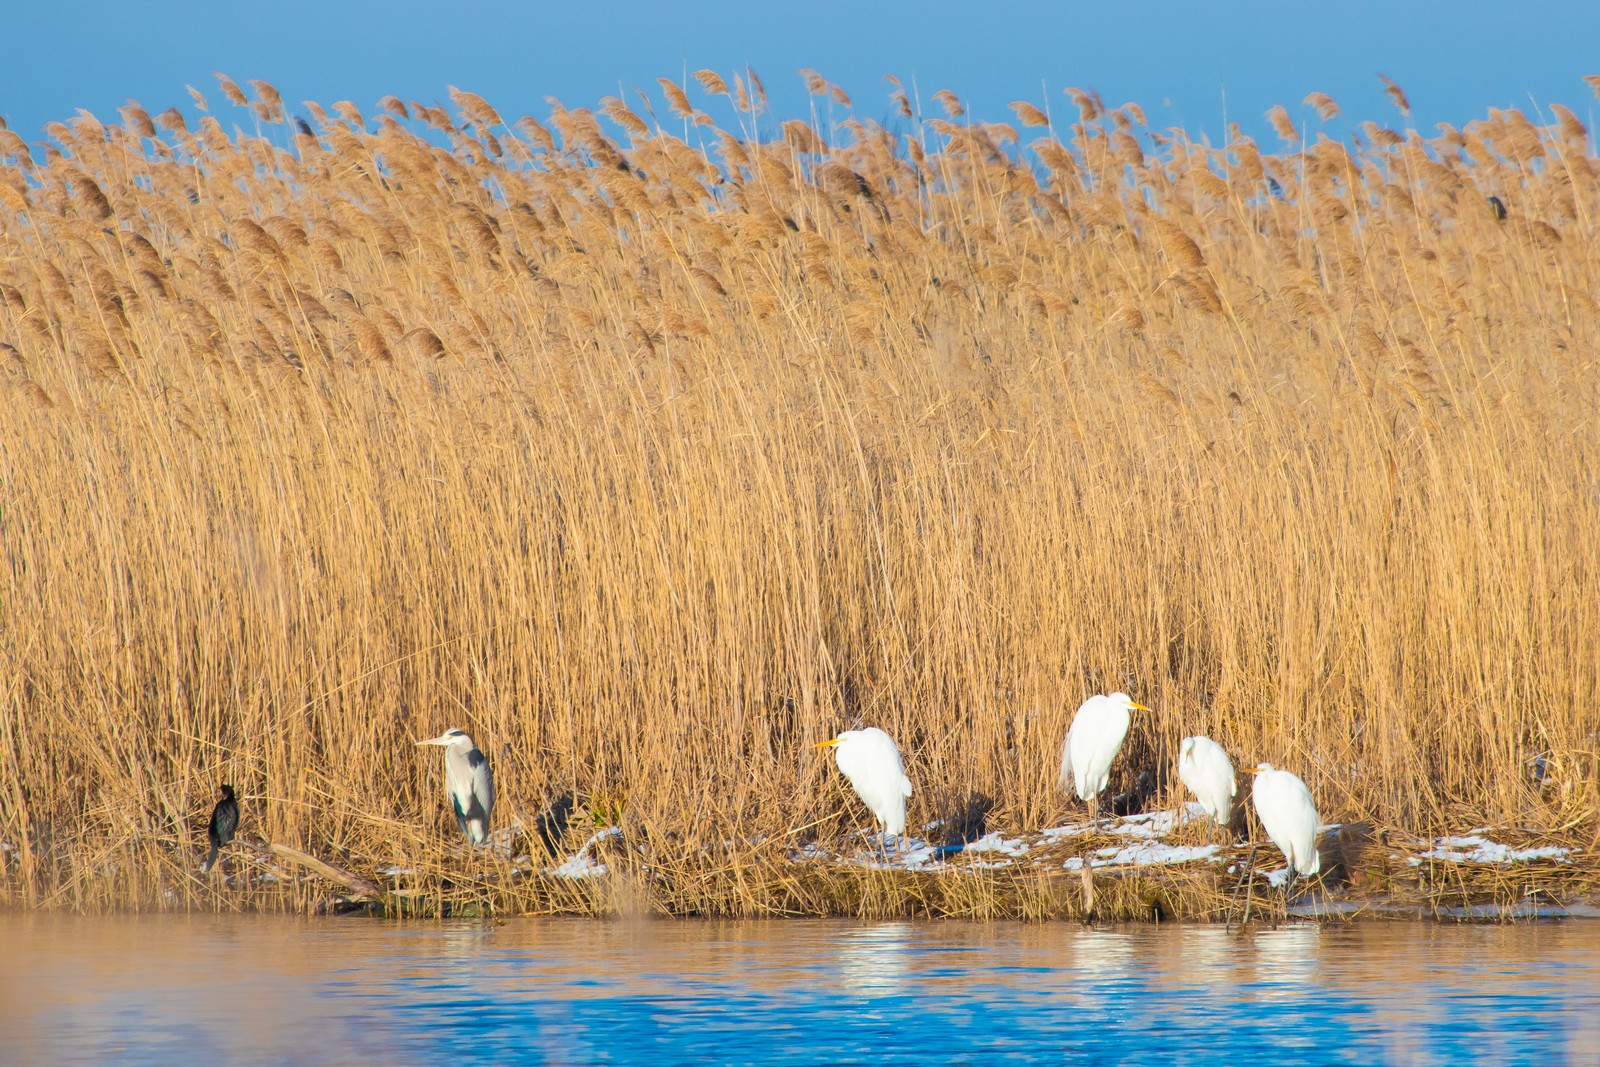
[
  {"x": 1006, "y": 846},
  {"x": 582, "y": 864},
  {"x": 1148, "y": 847},
  {"x": 1135, "y": 841},
  {"x": 1476, "y": 848},
  {"x": 1148, "y": 855},
  {"x": 1154, "y": 824}
]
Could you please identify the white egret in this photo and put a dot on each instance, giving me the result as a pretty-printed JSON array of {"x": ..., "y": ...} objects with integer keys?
[
  {"x": 467, "y": 782},
  {"x": 1289, "y": 817},
  {"x": 1093, "y": 742},
  {"x": 1205, "y": 768},
  {"x": 870, "y": 760}
]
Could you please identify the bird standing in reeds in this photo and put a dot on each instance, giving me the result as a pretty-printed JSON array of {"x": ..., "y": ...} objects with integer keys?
[
  {"x": 1289, "y": 816},
  {"x": 1204, "y": 767},
  {"x": 224, "y": 824},
  {"x": 468, "y": 783},
  {"x": 870, "y": 760},
  {"x": 1092, "y": 743}
]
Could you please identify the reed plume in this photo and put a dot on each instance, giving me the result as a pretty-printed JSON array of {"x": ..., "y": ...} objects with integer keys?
[{"x": 651, "y": 463}]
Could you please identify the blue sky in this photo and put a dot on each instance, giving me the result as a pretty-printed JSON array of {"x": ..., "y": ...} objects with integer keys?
[{"x": 1187, "y": 64}]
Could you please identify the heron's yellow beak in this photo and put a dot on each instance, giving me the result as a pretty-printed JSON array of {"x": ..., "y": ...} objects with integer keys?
[
  {"x": 435, "y": 741},
  {"x": 826, "y": 744},
  {"x": 1137, "y": 706}
]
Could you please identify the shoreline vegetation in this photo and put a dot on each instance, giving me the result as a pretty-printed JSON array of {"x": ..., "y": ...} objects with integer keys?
[{"x": 653, "y": 444}]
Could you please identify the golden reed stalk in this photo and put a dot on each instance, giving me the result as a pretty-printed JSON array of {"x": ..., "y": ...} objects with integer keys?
[{"x": 650, "y": 453}]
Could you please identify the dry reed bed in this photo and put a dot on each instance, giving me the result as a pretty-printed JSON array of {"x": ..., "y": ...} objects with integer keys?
[{"x": 650, "y": 451}]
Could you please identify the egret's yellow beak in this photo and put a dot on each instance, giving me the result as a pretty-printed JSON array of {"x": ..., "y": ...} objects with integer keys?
[
  {"x": 826, "y": 744},
  {"x": 1137, "y": 706}
]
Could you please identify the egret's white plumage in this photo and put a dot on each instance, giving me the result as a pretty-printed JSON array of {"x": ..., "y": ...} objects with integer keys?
[
  {"x": 1093, "y": 742},
  {"x": 468, "y": 783},
  {"x": 1288, "y": 815},
  {"x": 1205, "y": 768},
  {"x": 870, "y": 760}
]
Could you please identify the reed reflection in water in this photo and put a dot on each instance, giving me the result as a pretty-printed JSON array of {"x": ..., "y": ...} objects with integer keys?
[{"x": 243, "y": 990}]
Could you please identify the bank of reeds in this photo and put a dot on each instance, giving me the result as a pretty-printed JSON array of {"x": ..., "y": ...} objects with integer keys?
[{"x": 652, "y": 444}]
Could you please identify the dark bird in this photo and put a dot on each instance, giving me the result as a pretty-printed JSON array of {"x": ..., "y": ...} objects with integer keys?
[{"x": 224, "y": 824}]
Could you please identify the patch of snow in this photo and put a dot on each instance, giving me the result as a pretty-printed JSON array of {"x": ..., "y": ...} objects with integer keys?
[
  {"x": 1475, "y": 848},
  {"x": 915, "y": 855},
  {"x": 395, "y": 872},
  {"x": 1056, "y": 833},
  {"x": 910, "y": 853},
  {"x": 581, "y": 864},
  {"x": 1148, "y": 825},
  {"x": 1157, "y": 823},
  {"x": 1145, "y": 855},
  {"x": 1009, "y": 846}
]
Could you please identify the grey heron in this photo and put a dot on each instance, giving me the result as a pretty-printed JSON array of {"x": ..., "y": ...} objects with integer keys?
[
  {"x": 468, "y": 782},
  {"x": 224, "y": 824}
]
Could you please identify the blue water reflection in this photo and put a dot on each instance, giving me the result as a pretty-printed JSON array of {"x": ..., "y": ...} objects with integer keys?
[{"x": 800, "y": 992}]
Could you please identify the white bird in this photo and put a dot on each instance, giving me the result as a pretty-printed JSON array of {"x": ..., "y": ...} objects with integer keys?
[
  {"x": 1208, "y": 772},
  {"x": 1093, "y": 742},
  {"x": 870, "y": 760},
  {"x": 1289, "y": 817},
  {"x": 467, "y": 782}
]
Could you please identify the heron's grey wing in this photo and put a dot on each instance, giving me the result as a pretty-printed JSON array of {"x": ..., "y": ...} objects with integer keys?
[
  {"x": 482, "y": 784},
  {"x": 460, "y": 778}
]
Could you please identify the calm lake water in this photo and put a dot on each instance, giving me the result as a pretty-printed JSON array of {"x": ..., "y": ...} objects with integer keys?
[{"x": 242, "y": 990}]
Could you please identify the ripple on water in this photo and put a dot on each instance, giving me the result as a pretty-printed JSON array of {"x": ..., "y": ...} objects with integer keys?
[{"x": 802, "y": 992}]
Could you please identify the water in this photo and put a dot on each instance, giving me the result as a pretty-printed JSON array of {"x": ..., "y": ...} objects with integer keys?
[{"x": 242, "y": 990}]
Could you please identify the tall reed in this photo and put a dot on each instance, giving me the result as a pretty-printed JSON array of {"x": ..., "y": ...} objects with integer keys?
[{"x": 650, "y": 451}]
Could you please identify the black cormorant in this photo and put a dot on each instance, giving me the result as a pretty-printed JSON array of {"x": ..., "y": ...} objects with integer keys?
[{"x": 224, "y": 824}]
